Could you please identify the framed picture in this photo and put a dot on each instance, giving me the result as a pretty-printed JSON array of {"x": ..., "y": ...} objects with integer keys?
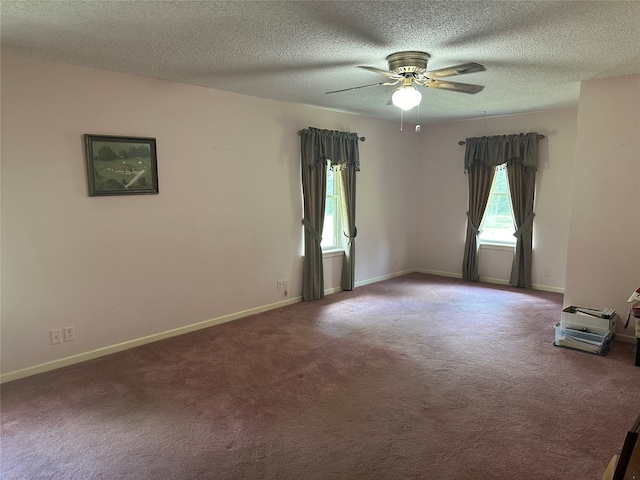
[{"x": 121, "y": 165}]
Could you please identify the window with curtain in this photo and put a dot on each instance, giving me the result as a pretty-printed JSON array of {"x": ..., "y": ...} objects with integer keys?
[
  {"x": 520, "y": 155},
  {"x": 498, "y": 225},
  {"x": 337, "y": 152}
]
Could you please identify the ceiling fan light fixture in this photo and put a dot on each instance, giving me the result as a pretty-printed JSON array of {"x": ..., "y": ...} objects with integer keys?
[{"x": 406, "y": 97}]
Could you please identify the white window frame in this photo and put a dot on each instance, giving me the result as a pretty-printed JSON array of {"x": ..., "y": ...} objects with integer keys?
[
  {"x": 337, "y": 243},
  {"x": 511, "y": 241}
]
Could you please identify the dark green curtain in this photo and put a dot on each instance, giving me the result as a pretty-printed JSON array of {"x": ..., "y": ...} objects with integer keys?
[
  {"x": 480, "y": 179},
  {"x": 522, "y": 183},
  {"x": 314, "y": 178},
  {"x": 319, "y": 147},
  {"x": 348, "y": 176},
  {"x": 520, "y": 154}
]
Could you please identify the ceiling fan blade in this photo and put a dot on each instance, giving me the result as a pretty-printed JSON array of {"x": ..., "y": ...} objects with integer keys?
[
  {"x": 364, "y": 86},
  {"x": 461, "y": 69},
  {"x": 382, "y": 72},
  {"x": 454, "y": 86}
]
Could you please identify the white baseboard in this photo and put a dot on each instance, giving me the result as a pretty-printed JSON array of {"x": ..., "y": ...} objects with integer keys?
[
  {"x": 439, "y": 273},
  {"x": 547, "y": 288},
  {"x": 385, "y": 277},
  {"x": 626, "y": 338},
  {"x": 497, "y": 281},
  {"x": 101, "y": 352},
  {"x": 329, "y": 291}
]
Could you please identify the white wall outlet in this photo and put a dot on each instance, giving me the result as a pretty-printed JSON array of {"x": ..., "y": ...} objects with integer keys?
[
  {"x": 69, "y": 334},
  {"x": 56, "y": 336},
  {"x": 279, "y": 285},
  {"x": 285, "y": 286}
]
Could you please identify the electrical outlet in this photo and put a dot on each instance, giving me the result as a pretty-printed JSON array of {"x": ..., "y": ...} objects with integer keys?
[
  {"x": 56, "y": 336},
  {"x": 547, "y": 271},
  {"x": 69, "y": 334},
  {"x": 285, "y": 286},
  {"x": 279, "y": 285}
]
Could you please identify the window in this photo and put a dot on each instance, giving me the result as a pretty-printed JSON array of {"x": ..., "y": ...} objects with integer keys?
[
  {"x": 332, "y": 230},
  {"x": 498, "y": 225}
]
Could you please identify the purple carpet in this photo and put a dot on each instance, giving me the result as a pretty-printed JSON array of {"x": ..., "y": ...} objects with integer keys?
[{"x": 418, "y": 377}]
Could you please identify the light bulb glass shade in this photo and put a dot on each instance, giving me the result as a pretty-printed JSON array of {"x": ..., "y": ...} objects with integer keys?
[{"x": 406, "y": 97}]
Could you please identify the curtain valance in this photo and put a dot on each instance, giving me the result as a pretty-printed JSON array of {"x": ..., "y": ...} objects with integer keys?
[
  {"x": 340, "y": 148},
  {"x": 493, "y": 151}
]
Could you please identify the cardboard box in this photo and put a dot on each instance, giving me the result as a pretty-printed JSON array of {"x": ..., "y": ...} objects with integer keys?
[{"x": 571, "y": 318}]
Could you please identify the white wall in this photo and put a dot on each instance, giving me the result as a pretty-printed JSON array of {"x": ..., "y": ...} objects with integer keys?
[
  {"x": 443, "y": 196},
  {"x": 603, "y": 265},
  {"x": 224, "y": 228},
  {"x": 226, "y": 224}
]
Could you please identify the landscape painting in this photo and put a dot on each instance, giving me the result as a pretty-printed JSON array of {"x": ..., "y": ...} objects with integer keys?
[{"x": 121, "y": 165}]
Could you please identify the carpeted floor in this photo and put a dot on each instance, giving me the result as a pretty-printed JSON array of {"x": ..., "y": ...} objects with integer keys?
[{"x": 418, "y": 377}]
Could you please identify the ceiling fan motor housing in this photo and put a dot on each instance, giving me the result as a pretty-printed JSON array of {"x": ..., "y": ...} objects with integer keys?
[{"x": 411, "y": 62}]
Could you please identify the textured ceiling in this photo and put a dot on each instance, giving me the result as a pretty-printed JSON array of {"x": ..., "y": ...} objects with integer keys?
[{"x": 536, "y": 52}]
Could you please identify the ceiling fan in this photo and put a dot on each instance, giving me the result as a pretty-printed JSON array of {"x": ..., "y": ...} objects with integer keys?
[{"x": 410, "y": 68}]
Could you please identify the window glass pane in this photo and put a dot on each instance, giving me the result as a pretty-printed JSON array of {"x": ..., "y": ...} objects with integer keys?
[
  {"x": 500, "y": 183},
  {"x": 331, "y": 226},
  {"x": 328, "y": 230},
  {"x": 330, "y": 207},
  {"x": 329, "y": 182},
  {"x": 497, "y": 224}
]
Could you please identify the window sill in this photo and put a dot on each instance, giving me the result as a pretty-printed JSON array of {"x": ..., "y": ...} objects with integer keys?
[
  {"x": 497, "y": 246},
  {"x": 332, "y": 253}
]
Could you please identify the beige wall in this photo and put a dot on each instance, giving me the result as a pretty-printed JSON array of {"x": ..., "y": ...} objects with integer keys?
[
  {"x": 603, "y": 265},
  {"x": 226, "y": 224},
  {"x": 224, "y": 228},
  {"x": 443, "y": 200}
]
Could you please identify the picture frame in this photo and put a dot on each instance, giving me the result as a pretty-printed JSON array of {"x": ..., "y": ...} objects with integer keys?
[{"x": 121, "y": 165}]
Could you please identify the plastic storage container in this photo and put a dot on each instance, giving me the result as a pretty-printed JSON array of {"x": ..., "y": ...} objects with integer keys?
[{"x": 582, "y": 340}]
